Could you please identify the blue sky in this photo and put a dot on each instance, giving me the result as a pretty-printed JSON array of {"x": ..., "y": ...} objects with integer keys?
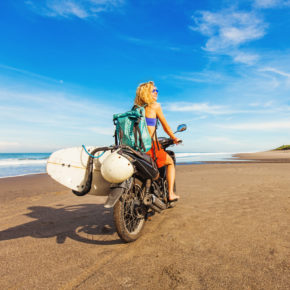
[{"x": 221, "y": 67}]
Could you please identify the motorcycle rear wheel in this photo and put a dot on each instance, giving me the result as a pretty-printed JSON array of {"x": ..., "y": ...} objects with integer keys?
[{"x": 129, "y": 224}]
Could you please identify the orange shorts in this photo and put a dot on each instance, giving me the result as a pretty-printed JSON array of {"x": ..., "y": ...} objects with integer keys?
[{"x": 161, "y": 155}]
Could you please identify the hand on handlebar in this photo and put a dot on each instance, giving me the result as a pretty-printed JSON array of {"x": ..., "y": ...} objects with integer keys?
[{"x": 177, "y": 141}]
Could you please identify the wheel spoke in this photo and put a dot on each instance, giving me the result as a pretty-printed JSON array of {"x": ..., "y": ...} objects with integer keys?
[{"x": 130, "y": 216}]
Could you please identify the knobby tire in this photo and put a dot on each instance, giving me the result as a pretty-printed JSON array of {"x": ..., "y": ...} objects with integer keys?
[{"x": 129, "y": 227}]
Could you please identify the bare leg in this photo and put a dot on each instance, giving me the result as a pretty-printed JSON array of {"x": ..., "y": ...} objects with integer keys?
[{"x": 170, "y": 175}]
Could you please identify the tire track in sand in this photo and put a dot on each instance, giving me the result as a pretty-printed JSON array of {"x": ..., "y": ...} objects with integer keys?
[{"x": 128, "y": 248}]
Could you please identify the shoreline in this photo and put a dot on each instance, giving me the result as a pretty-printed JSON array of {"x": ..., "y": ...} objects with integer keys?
[
  {"x": 246, "y": 158},
  {"x": 177, "y": 164},
  {"x": 251, "y": 157},
  {"x": 21, "y": 175}
]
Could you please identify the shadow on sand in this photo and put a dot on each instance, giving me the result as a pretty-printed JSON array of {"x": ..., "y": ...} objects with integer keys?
[{"x": 87, "y": 223}]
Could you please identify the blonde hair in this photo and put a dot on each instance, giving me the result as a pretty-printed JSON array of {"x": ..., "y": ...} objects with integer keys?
[{"x": 144, "y": 94}]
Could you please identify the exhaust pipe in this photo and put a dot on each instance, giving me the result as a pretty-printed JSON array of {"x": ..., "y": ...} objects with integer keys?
[
  {"x": 157, "y": 202},
  {"x": 155, "y": 208},
  {"x": 154, "y": 203}
]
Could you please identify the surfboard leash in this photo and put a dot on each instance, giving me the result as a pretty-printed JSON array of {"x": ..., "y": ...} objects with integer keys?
[{"x": 91, "y": 154}]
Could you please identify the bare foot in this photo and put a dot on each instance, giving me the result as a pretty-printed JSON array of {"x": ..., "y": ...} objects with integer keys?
[{"x": 173, "y": 196}]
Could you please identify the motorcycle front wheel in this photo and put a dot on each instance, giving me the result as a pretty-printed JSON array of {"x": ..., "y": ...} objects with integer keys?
[{"x": 128, "y": 217}]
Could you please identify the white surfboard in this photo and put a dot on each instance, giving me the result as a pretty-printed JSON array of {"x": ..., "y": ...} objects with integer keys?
[{"x": 69, "y": 167}]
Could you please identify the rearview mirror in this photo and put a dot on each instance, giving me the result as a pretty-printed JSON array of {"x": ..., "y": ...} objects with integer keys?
[{"x": 181, "y": 127}]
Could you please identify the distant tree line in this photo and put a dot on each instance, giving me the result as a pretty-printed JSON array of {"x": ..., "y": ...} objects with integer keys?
[{"x": 283, "y": 147}]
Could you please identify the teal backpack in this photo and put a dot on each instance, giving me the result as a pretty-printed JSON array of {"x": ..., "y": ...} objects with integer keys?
[{"x": 131, "y": 129}]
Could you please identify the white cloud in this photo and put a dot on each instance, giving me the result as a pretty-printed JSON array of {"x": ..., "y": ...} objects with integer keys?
[
  {"x": 276, "y": 71},
  {"x": 29, "y": 74},
  {"x": 66, "y": 8},
  {"x": 266, "y": 3},
  {"x": 271, "y": 3},
  {"x": 202, "y": 77},
  {"x": 35, "y": 118},
  {"x": 203, "y": 108},
  {"x": 53, "y": 110},
  {"x": 246, "y": 58},
  {"x": 73, "y": 8},
  {"x": 268, "y": 104},
  {"x": 228, "y": 29},
  {"x": 274, "y": 125},
  {"x": 265, "y": 107}
]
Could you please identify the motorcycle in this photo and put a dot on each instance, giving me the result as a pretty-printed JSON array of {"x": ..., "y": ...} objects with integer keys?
[{"x": 143, "y": 193}]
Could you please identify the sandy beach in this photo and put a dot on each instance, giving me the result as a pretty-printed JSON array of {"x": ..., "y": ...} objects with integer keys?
[
  {"x": 230, "y": 230},
  {"x": 266, "y": 156}
]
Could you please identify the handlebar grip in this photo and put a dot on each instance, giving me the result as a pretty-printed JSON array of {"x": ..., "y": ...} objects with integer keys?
[{"x": 179, "y": 142}]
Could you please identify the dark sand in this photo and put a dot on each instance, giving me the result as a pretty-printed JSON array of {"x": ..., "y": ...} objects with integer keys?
[{"x": 230, "y": 230}]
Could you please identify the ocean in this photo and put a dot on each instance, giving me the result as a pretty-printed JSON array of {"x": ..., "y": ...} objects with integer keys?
[
  {"x": 195, "y": 158},
  {"x": 17, "y": 164}
]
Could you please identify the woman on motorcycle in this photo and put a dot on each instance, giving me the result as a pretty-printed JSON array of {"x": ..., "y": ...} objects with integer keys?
[{"x": 146, "y": 94}]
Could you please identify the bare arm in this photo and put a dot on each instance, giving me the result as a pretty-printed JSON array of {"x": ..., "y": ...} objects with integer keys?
[{"x": 163, "y": 121}]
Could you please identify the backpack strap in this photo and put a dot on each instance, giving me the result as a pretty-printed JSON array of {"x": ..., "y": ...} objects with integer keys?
[
  {"x": 140, "y": 138},
  {"x": 115, "y": 134},
  {"x": 136, "y": 133},
  {"x": 118, "y": 133},
  {"x": 155, "y": 134},
  {"x": 115, "y": 137},
  {"x": 154, "y": 152},
  {"x": 156, "y": 140},
  {"x": 137, "y": 130}
]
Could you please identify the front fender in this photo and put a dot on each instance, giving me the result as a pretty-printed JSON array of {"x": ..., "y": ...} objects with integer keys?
[{"x": 116, "y": 191}]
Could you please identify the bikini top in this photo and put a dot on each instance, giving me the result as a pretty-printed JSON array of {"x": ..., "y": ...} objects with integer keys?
[{"x": 151, "y": 121}]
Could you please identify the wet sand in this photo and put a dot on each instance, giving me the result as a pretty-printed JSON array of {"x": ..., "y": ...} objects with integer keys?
[
  {"x": 230, "y": 230},
  {"x": 267, "y": 156}
]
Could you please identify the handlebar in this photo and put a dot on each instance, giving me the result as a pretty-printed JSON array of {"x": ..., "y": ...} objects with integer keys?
[{"x": 166, "y": 142}]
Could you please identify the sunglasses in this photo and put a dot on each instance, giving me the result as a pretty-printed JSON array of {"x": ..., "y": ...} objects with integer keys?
[{"x": 155, "y": 90}]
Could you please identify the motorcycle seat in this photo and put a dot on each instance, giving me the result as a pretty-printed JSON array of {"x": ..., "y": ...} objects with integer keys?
[
  {"x": 141, "y": 155},
  {"x": 146, "y": 157}
]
